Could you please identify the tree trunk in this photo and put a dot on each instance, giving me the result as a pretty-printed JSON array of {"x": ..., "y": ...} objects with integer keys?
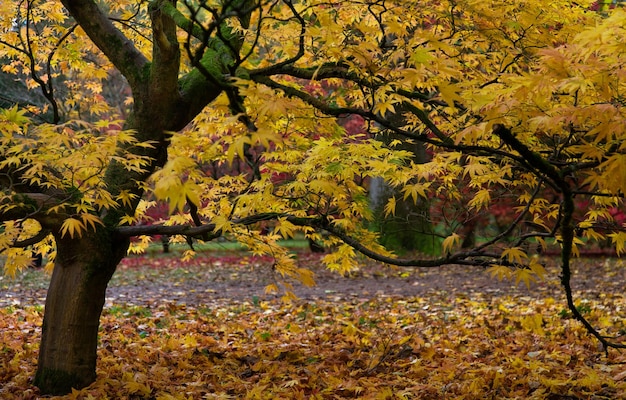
[
  {"x": 83, "y": 268},
  {"x": 410, "y": 229}
]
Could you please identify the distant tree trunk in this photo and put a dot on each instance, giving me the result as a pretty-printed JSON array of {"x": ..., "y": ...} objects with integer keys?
[
  {"x": 315, "y": 247},
  {"x": 410, "y": 229},
  {"x": 75, "y": 300},
  {"x": 165, "y": 241},
  {"x": 468, "y": 233}
]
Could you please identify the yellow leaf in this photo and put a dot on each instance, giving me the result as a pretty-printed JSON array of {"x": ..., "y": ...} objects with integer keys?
[
  {"x": 271, "y": 288},
  {"x": 138, "y": 388},
  {"x": 190, "y": 341},
  {"x": 188, "y": 255},
  {"x": 17, "y": 259},
  {"x": 619, "y": 241},
  {"x": 514, "y": 255},
  {"x": 350, "y": 329},
  {"x": 127, "y": 220},
  {"x": 291, "y": 383},
  {"x": 499, "y": 271},
  {"x": 537, "y": 269},
  {"x": 524, "y": 275},
  {"x": 390, "y": 207},
  {"x": 421, "y": 56},
  {"x": 91, "y": 220},
  {"x": 449, "y": 93},
  {"x": 306, "y": 277},
  {"x": 341, "y": 260},
  {"x": 284, "y": 228},
  {"x": 405, "y": 340},
  {"x": 383, "y": 107},
  {"x": 533, "y": 323},
  {"x": 450, "y": 242},
  {"x": 72, "y": 226},
  {"x": 222, "y": 224},
  {"x": 415, "y": 191},
  {"x": 480, "y": 200},
  {"x": 126, "y": 197},
  {"x": 14, "y": 115}
]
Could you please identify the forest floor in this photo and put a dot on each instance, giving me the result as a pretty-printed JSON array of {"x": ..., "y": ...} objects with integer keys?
[{"x": 206, "y": 329}]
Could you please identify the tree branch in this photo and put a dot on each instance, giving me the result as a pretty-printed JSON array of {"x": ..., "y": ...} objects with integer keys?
[
  {"x": 117, "y": 47},
  {"x": 33, "y": 205},
  {"x": 566, "y": 224},
  {"x": 442, "y": 140},
  {"x": 192, "y": 231},
  {"x": 324, "y": 71},
  {"x": 41, "y": 235},
  {"x": 181, "y": 21},
  {"x": 541, "y": 167}
]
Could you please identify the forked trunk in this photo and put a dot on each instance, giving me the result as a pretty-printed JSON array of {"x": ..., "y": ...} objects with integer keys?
[{"x": 83, "y": 268}]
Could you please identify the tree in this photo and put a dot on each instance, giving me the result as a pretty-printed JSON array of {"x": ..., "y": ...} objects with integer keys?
[
  {"x": 409, "y": 227},
  {"x": 519, "y": 100}
]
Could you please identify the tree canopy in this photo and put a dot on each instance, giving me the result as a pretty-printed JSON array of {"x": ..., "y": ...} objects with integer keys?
[{"x": 243, "y": 113}]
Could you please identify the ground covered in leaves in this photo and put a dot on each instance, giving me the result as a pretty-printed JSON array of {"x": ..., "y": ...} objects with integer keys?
[{"x": 206, "y": 330}]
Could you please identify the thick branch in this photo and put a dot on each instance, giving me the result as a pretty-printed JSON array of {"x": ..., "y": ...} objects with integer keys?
[
  {"x": 182, "y": 22},
  {"x": 197, "y": 231},
  {"x": 324, "y": 71},
  {"x": 35, "y": 206},
  {"x": 315, "y": 102},
  {"x": 41, "y": 235},
  {"x": 192, "y": 231},
  {"x": 541, "y": 166},
  {"x": 165, "y": 49},
  {"x": 117, "y": 47},
  {"x": 471, "y": 257},
  {"x": 441, "y": 139}
]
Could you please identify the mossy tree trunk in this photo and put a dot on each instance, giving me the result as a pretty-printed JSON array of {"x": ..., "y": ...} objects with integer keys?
[
  {"x": 163, "y": 102},
  {"x": 83, "y": 268}
]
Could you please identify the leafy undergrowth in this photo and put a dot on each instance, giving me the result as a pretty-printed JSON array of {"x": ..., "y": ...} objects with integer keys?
[{"x": 467, "y": 347}]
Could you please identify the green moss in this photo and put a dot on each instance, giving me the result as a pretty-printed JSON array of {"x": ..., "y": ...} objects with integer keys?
[
  {"x": 25, "y": 201},
  {"x": 57, "y": 382}
]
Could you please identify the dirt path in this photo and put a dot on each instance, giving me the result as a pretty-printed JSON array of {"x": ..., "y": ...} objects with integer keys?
[{"x": 214, "y": 280}]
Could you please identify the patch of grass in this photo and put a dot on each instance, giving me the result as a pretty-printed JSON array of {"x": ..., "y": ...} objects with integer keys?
[
  {"x": 582, "y": 309},
  {"x": 219, "y": 246},
  {"x": 128, "y": 311}
]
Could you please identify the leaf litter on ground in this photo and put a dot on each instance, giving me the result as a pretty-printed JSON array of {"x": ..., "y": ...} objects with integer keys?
[{"x": 450, "y": 333}]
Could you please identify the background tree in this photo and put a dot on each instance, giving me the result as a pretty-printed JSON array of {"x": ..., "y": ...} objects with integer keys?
[
  {"x": 512, "y": 100},
  {"x": 409, "y": 227}
]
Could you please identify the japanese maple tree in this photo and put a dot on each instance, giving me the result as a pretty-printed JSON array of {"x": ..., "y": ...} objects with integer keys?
[{"x": 517, "y": 100}]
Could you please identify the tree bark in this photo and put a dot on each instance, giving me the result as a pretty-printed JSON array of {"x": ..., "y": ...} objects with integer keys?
[
  {"x": 67, "y": 354},
  {"x": 163, "y": 102}
]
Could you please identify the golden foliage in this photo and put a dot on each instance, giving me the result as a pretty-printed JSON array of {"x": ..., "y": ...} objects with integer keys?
[{"x": 444, "y": 73}]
